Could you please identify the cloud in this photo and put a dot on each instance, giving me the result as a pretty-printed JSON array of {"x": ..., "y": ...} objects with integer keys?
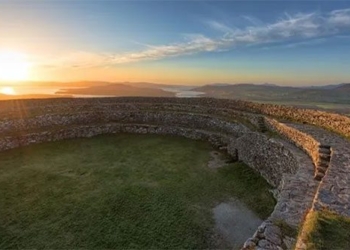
[
  {"x": 291, "y": 45},
  {"x": 252, "y": 20},
  {"x": 198, "y": 43},
  {"x": 77, "y": 59},
  {"x": 301, "y": 27},
  {"x": 220, "y": 26},
  {"x": 340, "y": 17}
]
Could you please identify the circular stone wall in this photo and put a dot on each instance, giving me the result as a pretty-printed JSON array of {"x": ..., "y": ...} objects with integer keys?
[{"x": 248, "y": 132}]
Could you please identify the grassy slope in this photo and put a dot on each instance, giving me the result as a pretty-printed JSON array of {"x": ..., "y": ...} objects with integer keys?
[
  {"x": 131, "y": 191},
  {"x": 326, "y": 230},
  {"x": 333, "y": 99}
]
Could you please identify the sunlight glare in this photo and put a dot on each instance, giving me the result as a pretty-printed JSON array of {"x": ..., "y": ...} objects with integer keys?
[
  {"x": 7, "y": 91},
  {"x": 13, "y": 66}
]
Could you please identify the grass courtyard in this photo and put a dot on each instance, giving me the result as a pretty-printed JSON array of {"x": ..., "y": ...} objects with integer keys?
[{"x": 119, "y": 191}]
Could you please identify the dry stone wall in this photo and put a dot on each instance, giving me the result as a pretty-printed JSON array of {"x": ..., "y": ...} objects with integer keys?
[
  {"x": 11, "y": 142},
  {"x": 300, "y": 139},
  {"x": 259, "y": 151},
  {"x": 335, "y": 122},
  {"x": 196, "y": 121},
  {"x": 232, "y": 125}
]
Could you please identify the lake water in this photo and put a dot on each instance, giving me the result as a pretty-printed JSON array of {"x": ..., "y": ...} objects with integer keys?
[
  {"x": 183, "y": 91},
  {"x": 22, "y": 90}
]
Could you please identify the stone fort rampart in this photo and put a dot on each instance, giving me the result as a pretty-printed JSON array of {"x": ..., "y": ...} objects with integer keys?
[{"x": 274, "y": 140}]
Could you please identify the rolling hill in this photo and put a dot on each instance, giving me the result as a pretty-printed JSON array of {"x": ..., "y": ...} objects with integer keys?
[
  {"x": 116, "y": 90},
  {"x": 273, "y": 93}
]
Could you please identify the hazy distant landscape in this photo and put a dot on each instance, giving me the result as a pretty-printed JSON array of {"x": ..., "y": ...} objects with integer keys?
[
  {"x": 115, "y": 90},
  {"x": 334, "y": 97}
]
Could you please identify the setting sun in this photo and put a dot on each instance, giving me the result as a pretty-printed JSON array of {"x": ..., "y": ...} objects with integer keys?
[
  {"x": 13, "y": 66},
  {"x": 7, "y": 91}
]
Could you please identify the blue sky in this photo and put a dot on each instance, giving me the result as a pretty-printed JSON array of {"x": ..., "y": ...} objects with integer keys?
[{"x": 191, "y": 42}]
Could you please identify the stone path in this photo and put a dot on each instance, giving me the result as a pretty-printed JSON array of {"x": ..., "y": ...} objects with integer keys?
[{"x": 334, "y": 189}]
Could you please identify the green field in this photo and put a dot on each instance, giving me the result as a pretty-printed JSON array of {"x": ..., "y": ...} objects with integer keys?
[
  {"x": 119, "y": 191},
  {"x": 326, "y": 230}
]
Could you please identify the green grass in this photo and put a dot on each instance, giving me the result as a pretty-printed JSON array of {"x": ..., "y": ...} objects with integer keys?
[
  {"x": 326, "y": 230},
  {"x": 118, "y": 191}
]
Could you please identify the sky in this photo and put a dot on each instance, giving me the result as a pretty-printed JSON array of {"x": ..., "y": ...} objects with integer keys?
[{"x": 180, "y": 42}]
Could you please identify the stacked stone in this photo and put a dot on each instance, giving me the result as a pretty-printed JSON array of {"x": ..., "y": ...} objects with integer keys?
[
  {"x": 336, "y": 122},
  {"x": 268, "y": 237},
  {"x": 324, "y": 157},
  {"x": 261, "y": 124},
  {"x": 234, "y": 155}
]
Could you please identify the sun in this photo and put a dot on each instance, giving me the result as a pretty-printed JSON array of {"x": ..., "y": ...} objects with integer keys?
[
  {"x": 13, "y": 66},
  {"x": 7, "y": 91}
]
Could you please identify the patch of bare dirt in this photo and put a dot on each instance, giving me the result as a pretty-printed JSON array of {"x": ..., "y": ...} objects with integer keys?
[
  {"x": 217, "y": 160},
  {"x": 234, "y": 223}
]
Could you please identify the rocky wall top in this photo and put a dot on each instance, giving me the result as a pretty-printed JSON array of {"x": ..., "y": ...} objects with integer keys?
[
  {"x": 299, "y": 138},
  {"x": 195, "y": 121},
  {"x": 334, "y": 191},
  {"x": 335, "y": 122}
]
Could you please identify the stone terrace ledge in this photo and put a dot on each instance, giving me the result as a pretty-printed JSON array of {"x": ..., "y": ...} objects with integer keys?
[{"x": 334, "y": 190}]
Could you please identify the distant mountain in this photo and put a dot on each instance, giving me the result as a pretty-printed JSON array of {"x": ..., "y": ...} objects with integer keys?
[
  {"x": 334, "y": 97},
  {"x": 230, "y": 84},
  {"x": 270, "y": 84},
  {"x": 245, "y": 91},
  {"x": 272, "y": 93},
  {"x": 77, "y": 84},
  {"x": 34, "y": 96},
  {"x": 219, "y": 84},
  {"x": 82, "y": 84},
  {"x": 343, "y": 87},
  {"x": 330, "y": 86},
  {"x": 116, "y": 90},
  {"x": 154, "y": 85}
]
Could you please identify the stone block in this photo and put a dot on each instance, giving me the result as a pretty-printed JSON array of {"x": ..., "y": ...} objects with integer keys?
[
  {"x": 318, "y": 176},
  {"x": 324, "y": 157},
  {"x": 322, "y": 163},
  {"x": 322, "y": 169},
  {"x": 273, "y": 234},
  {"x": 324, "y": 151},
  {"x": 250, "y": 244}
]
